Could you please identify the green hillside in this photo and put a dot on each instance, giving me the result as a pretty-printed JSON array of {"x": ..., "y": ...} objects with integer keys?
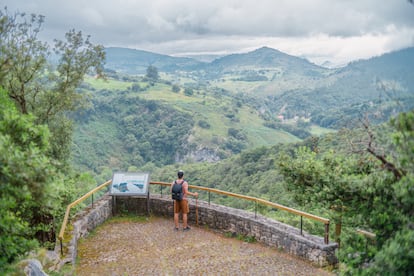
[
  {"x": 232, "y": 104},
  {"x": 123, "y": 128}
]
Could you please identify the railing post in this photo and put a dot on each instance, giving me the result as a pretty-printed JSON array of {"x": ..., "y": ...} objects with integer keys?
[
  {"x": 209, "y": 198},
  {"x": 161, "y": 190},
  {"x": 255, "y": 209},
  {"x": 301, "y": 225},
  {"x": 326, "y": 233},
  {"x": 92, "y": 200},
  {"x": 61, "y": 247}
]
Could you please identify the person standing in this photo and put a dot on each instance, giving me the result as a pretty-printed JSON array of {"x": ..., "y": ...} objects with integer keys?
[{"x": 181, "y": 206}]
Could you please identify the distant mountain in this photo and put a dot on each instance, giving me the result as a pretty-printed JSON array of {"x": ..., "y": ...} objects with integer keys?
[
  {"x": 137, "y": 61},
  {"x": 203, "y": 57},
  {"x": 397, "y": 66},
  {"x": 383, "y": 84},
  {"x": 393, "y": 72},
  {"x": 263, "y": 58},
  {"x": 133, "y": 61}
]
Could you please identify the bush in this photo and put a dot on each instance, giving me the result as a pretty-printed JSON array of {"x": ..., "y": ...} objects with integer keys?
[{"x": 204, "y": 124}]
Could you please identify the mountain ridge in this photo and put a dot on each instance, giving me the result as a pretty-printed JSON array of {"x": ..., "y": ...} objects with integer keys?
[
  {"x": 136, "y": 61},
  {"x": 139, "y": 60},
  {"x": 239, "y": 106}
]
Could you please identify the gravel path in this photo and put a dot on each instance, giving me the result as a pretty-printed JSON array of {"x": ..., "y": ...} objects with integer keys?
[{"x": 154, "y": 248}]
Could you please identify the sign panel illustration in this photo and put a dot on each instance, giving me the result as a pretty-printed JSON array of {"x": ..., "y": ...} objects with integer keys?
[{"x": 130, "y": 183}]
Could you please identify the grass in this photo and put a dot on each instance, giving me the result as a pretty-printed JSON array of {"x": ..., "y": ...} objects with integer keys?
[
  {"x": 109, "y": 84},
  {"x": 258, "y": 134},
  {"x": 163, "y": 92},
  {"x": 318, "y": 131},
  {"x": 240, "y": 237},
  {"x": 127, "y": 218},
  {"x": 237, "y": 86}
]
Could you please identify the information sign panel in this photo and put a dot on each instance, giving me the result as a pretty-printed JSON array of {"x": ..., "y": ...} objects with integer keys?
[{"x": 130, "y": 183}]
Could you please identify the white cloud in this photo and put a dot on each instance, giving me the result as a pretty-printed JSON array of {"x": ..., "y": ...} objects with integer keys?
[{"x": 334, "y": 30}]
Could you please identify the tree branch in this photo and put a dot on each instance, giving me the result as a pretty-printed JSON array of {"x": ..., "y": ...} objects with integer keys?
[{"x": 371, "y": 149}]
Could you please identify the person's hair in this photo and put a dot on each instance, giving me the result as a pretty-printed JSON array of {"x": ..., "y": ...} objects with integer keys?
[{"x": 180, "y": 174}]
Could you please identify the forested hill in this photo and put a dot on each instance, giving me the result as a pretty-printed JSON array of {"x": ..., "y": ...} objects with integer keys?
[
  {"x": 290, "y": 86},
  {"x": 137, "y": 61},
  {"x": 231, "y": 104},
  {"x": 132, "y": 61},
  {"x": 263, "y": 58}
]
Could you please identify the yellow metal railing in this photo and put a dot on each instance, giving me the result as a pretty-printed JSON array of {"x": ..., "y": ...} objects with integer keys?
[
  {"x": 210, "y": 190},
  {"x": 76, "y": 202},
  {"x": 264, "y": 202},
  {"x": 366, "y": 233}
]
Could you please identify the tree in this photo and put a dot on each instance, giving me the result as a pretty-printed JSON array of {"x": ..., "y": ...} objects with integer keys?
[
  {"x": 188, "y": 91},
  {"x": 135, "y": 87},
  {"x": 49, "y": 91},
  {"x": 152, "y": 73},
  {"x": 26, "y": 175},
  {"x": 175, "y": 88},
  {"x": 373, "y": 191}
]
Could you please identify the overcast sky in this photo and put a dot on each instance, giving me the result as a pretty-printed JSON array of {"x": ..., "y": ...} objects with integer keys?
[{"x": 337, "y": 31}]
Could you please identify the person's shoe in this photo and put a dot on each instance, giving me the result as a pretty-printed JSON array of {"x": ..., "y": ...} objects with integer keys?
[
  {"x": 187, "y": 229},
  {"x": 175, "y": 228}
]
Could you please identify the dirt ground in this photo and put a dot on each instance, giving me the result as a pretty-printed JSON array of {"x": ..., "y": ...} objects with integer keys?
[{"x": 154, "y": 248}]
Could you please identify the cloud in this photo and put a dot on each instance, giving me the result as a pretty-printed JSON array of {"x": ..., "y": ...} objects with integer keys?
[{"x": 334, "y": 30}]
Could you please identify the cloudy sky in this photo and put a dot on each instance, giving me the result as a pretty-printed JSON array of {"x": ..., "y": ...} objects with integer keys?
[{"x": 337, "y": 31}]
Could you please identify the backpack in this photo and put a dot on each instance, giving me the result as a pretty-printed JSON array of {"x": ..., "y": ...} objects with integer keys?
[{"x": 177, "y": 191}]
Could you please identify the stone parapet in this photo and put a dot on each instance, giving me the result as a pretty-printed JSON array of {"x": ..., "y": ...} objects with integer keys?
[
  {"x": 83, "y": 223},
  {"x": 264, "y": 230},
  {"x": 217, "y": 217}
]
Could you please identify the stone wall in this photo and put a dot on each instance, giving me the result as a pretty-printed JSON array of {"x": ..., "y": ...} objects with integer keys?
[
  {"x": 217, "y": 217},
  {"x": 264, "y": 230},
  {"x": 83, "y": 223}
]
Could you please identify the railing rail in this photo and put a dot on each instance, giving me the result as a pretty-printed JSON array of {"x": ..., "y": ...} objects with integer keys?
[
  {"x": 76, "y": 202},
  {"x": 264, "y": 202},
  {"x": 209, "y": 190}
]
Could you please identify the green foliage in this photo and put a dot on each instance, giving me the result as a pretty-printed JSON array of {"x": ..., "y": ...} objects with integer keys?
[
  {"x": 252, "y": 76},
  {"x": 188, "y": 91},
  {"x": 204, "y": 124},
  {"x": 26, "y": 175},
  {"x": 35, "y": 130},
  {"x": 396, "y": 257},
  {"x": 299, "y": 130},
  {"x": 246, "y": 238},
  {"x": 322, "y": 177},
  {"x": 362, "y": 194},
  {"x": 148, "y": 132},
  {"x": 404, "y": 124},
  {"x": 250, "y": 173},
  {"x": 46, "y": 90},
  {"x": 135, "y": 87},
  {"x": 175, "y": 88},
  {"x": 215, "y": 111},
  {"x": 152, "y": 73},
  {"x": 121, "y": 119},
  {"x": 327, "y": 180}
]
